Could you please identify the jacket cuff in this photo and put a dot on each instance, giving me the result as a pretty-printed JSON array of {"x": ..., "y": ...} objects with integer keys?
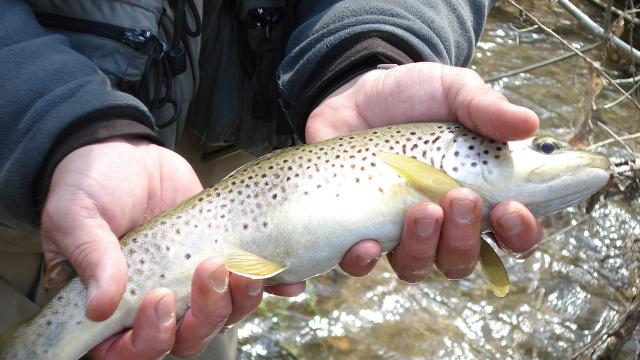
[
  {"x": 343, "y": 63},
  {"x": 94, "y": 127}
]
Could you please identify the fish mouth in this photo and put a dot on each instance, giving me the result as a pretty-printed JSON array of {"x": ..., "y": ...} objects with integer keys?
[
  {"x": 599, "y": 162},
  {"x": 574, "y": 164},
  {"x": 575, "y": 179},
  {"x": 559, "y": 203}
]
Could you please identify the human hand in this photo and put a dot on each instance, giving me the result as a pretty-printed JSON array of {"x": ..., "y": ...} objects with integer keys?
[
  {"x": 97, "y": 194},
  {"x": 447, "y": 235}
]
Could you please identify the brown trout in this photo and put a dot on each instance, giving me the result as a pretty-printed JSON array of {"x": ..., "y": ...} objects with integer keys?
[{"x": 293, "y": 214}]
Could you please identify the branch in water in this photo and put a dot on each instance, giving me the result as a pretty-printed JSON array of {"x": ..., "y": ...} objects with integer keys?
[
  {"x": 617, "y": 11},
  {"x": 535, "y": 66},
  {"x": 581, "y": 55},
  {"x": 622, "y": 333},
  {"x": 597, "y": 30},
  {"x": 608, "y": 141},
  {"x": 628, "y": 81}
]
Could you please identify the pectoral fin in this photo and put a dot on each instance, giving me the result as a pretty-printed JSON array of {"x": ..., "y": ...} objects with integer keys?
[
  {"x": 494, "y": 270},
  {"x": 250, "y": 265},
  {"x": 430, "y": 181},
  {"x": 434, "y": 184}
]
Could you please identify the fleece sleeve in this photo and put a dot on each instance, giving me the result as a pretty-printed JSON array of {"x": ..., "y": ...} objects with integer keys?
[
  {"x": 333, "y": 41},
  {"x": 47, "y": 89}
]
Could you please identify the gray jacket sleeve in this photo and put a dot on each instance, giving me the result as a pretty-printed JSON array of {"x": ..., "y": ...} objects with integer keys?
[
  {"x": 46, "y": 88},
  {"x": 335, "y": 40}
]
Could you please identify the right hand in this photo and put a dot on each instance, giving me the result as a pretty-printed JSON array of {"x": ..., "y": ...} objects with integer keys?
[
  {"x": 447, "y": 235},
  {"x": 97, "y": 194}
]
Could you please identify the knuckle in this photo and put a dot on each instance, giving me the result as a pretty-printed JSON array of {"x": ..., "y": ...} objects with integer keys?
[
  {"x": 212, "y": 318},
  {"x": 153, "y": 348},
  {"x": 216, "y": 321},
  {"x": 414, "y": 275},
  {"x": 462, "y": 246},
  {"x": 191, "y": 352},
  {"x": 416, "y": 258},
  {"x": 81, "y": 254}
]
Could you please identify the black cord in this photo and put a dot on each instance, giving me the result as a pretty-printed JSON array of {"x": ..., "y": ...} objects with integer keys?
[
  {"x": 196, "y": 19},
  {"x": 178, "y": 20},
  {"x": 163, "y": 64}
]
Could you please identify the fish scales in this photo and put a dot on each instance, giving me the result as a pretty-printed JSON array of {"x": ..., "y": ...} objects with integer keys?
[{"x": 303, "y": 207}]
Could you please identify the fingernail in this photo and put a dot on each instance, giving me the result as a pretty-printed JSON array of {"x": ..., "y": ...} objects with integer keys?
[
  {"x": 254, "y": 288},
  {"x": 365, "y": 260},
  {"x": 510, "y": 223},
  {"x": 424, "y": 226},
  {"x": 463, "y": 210},
  {"x": 164, "y": 310},
  {"x": 219, "y": 279},
  {"x": 525, "y": 254},
  {"x": 92, "y": 289},
  {"x": 225, "y": 329}
]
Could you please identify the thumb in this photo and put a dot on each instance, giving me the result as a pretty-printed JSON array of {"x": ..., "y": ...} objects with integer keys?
[
  {"x": 435, "y": 92},
  {"x": 94, "y": 252}
]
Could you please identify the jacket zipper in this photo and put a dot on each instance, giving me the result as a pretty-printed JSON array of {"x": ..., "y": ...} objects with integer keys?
[{"x": 140, "y": 40}]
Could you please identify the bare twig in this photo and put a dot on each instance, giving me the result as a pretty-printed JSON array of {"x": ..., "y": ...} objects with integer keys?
[
  {"x": 615, "y": 136},
  {"x": 608, "y": 141},
  {"x": 613, "y": 103},
  {"x": 518, "y": 31},
  {"x": 582, "y": 116},
  {"x": 597, "y": 30},
  {"x": 562, "y": 231},
  {"x": 628, "y": 81},
  {"x": 563, "y": 41},
  {"x": 593, "y": 344},
  {"x": 622, "y": 333},
  {"x": 542, "y": 63},
  {"x": 618, "y": 12}
]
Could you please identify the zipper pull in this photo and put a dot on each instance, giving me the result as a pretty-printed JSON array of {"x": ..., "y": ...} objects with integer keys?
[{"x": 143, "y": 41}]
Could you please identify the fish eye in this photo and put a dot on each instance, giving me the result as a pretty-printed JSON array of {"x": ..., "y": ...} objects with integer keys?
[{"x": 547, "y": 147}]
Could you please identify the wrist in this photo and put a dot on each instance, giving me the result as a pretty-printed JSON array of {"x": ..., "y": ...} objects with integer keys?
[
  {"x": 338, "y": 66},
  {"x": 82, "y": 133}
]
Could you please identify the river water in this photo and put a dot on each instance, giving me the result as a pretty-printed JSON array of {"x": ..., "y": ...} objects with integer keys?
[{"x": 564, "y": 299}]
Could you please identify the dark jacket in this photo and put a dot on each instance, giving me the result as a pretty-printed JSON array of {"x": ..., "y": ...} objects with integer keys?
[{"x": 54, "y": 100}]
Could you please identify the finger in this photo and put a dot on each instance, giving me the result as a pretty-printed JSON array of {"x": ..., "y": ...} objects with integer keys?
[
  {"x": 96, "y": 256},
  {"x": 459, "y": 244},
  {"x": 361, "y": 258},
  {"x": 288, "y": 290},
  {"x": 413, "y": 259},
  {"x": 515, "y": 227},
  {"x": 152, "y": 334},
  {"x": 484, "y": 110},
  {"x": 246, "y": 295},
  {"x": 210, "y": 307}
]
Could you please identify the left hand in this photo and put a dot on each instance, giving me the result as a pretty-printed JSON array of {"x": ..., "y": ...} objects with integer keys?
[
  {"x": 99, "y": 192},
  {"x": 448, "y": 236}
]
